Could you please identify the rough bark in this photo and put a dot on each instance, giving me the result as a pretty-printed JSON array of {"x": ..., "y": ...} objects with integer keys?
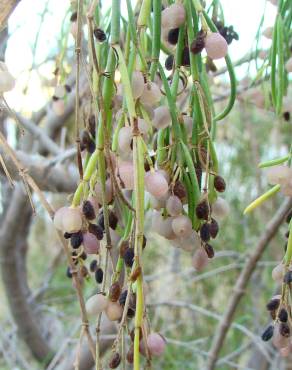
[{"x": 6, "y": 8}]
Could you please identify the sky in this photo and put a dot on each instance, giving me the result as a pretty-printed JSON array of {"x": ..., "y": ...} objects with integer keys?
[{"x": 25, "y": 22}]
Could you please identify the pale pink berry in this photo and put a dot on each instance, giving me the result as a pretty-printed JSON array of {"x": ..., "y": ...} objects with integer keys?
[
  {"x": 151, "y": 94},
  {"x": 268, "y": 33},
  {"x": 286, "y": 189},
  {"x": 216, "y": 46},
  {"x": 200, "y": 259},
  {"x": 94, "y": 201},
  {"x": 220, "y": 209},
  {"x": 285, "y": 351},
  {"x": 58, "y": 218},
  {"x": 191, "y": 243},
  {"x": 58, "y": 107},
  {"x": 126, "y": 174},
  {"x": 114, "y": 311},
  {"x": 108, "y": 191},
  {"x": 162, "y": 117},
  {"x": 288, "y": 65},
  {"x": 156, "y": 203},
  {"x": 156, "y": 184},
  {"x": 60, "y": 91},
  {"x": 125, "y": 138},
  {"x": 72, "y": 220},
  {"x": 7, "y": 81},
  {"x": 263, "y": 54},
  {"x": 182, "y": 226},
  {"x": 278, "y": 273},
  {"x": 279, "y": 341},
  {"x": 143, "y": 126},
  {"x": 279, "y": 174},
  {"x": 188, "y": 123},
  {"x": 173, "y": 16},
  {"x": 156, "y": 344},
  {"x": 73, "y": 29},
  {"x": 174, "y": 205},
  {"x": 96, "y": 304},
  {"x": 90, "y": 243},
  {"x": 274, "y": 2},
  {"x": 137, "y": 84},
  {"x": 165, "y": 228}
]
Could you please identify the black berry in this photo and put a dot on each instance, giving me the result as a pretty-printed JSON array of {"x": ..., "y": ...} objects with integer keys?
[
  {"x": 268, "y": 333},
  {"x": 88, "y": 210},
  {"x": 99, "y": 275},
  {"x": 99, "y": 34},
  {"x": 96, "y": 230},
  {"x": 76, "y": 239},
  {"x": 129, "y": 257}
]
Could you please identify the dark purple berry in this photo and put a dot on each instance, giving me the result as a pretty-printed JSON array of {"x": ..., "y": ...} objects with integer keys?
[
  {"x": 199, "y": 43},
  {"x": 99, "y": 275},
  {"x": 284, "y": 329},
  {"x": 179, "y": 190},
  {"x": 114, "y": 291},
  {"x": 99, "y": 34},
  {"x": 96, "y": 230},
  {"x": 205, "y": 232},
  {"x": 129, "y": 257},
  {"x": 288, "y": 277},
  {"x": 68, "y": 272},
  {"x": 202, "y": 210},
  {"x": 213, "y": 228},
  {"x": 185, "y": 59},
  {"x": 172, "y": 36},
  {"x": 88, "y": 210},
  {"x": 283, "y": 315},
  {"x": 73, "y": 17},
  {"x": 76, "y": 239},
  {"x": 219, "y": 184},
  {"x": 209, "y": 250},
  {"x": 273, "y": 304},
  {"x": 67, "y": 235},
  {"x": 114, "y": 361},
  {"x": 93, "y": 265},
  {"x": 169, "y": 62},
  {"x": 268, "y": 333},
  {"x": 113, "y": 220}
]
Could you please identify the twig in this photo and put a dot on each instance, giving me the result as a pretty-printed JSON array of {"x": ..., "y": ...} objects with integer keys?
[{"x": 243, "y": 279}]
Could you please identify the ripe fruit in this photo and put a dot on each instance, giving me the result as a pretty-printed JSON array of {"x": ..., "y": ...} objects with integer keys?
[
  {"x": 219, "y": 184},
  {"x": 151, "y": 94},
  {"x": 76, "y": 239},
  {"x": 96, "y": 304},
  {"x": 129, "y": 257},
  {"x": 268, "y": 333},
  {"x": 72, "y": 220},
  {"x": 268, "y": 33},
  {"x": 88, "y": 210},
  {"x": 156, "y": 184},
  {"x": 173, "y": 16},
  {"x": 182, "y": 226},
  {"x": 99, "y": 34},
  {"x": 173, "y": 205},
  {"x": 7, "y": 81},
  {"x": 162, "y": 117},
  {"x": 98, "y": 275},
  {"x": 90, "y": 243},
  {"x": 216, "y": 46},
  {"x": 156, "y": 344}
]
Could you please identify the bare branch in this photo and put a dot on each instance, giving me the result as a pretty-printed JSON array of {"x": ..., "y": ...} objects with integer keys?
[{"x": 243, "y": 279}]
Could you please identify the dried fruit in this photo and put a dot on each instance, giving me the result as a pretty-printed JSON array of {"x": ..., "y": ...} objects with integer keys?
[
  {"x": 114, "y": 361},
  {"x": 114, "y": 291}
]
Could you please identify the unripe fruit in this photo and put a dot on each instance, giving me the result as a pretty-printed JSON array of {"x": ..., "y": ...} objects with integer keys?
[
  {"x": 279, "y": 341},
  {"x": 114, "y": 311},
  {"x": 165, "y": 228},
  {"x": 278, "y": 273},
  {"x": 58, "y": 218},
  {"x": 191, "y": 243},
  {"x": 173, "y": 205},
  {"x": 143, "y": 126},
  {"x": 72, "y": 220},
  {"x": 126, "y": 173},
  {"x": 151, "y": 94},
  {"x": 200, "y": 259},
  {"x": 216, "y": 46},
  {"x": 7, "y": 81},
  {"x": 162, "y": 117},
  {"x": 58, "y": 107},
  {"x": 96, "y": 304},
  {"x": 137, "y": 84},
  {"x": 108, "y": 191},
  {"x": 125, "y": 139},
  {"x": 268, "y": 33},
  {"x": 60, "y": 91},
  {"x": 182, "y": 226},
  {"x": 288, "y": 65},
  {"x": 220, "y": 209},
  {"x": 156, "y": 184},
  {"x": 156, "y": 344},
  {"x": 173, "y": 16},
  {"x": 90, "y": 243},
  {"x": 279, "y": 175}
]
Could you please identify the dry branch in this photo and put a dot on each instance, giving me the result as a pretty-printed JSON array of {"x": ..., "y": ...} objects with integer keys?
[
  {"x": 6, "y": 8},
  {"x": 243, "y": 279}
]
